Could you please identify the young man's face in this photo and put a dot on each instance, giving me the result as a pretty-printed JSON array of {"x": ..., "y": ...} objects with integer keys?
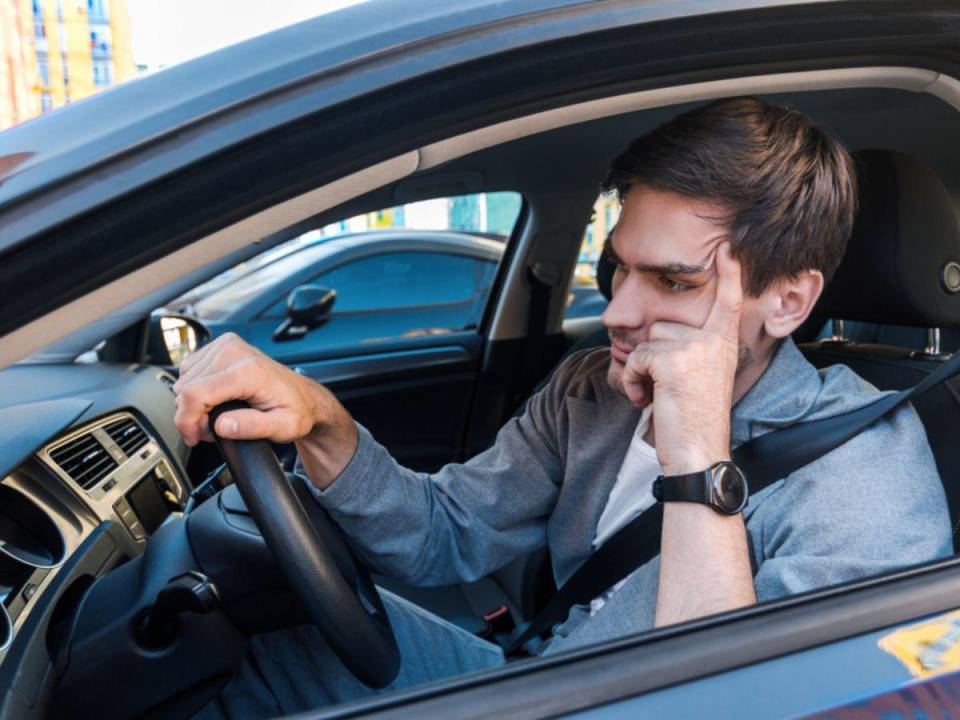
[{"x": 665, "y": 246}]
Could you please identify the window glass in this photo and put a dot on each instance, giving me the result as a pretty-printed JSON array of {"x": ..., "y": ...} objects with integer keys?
[
  {"x": 584, "y": 298},
  {"x": 102, "y": 73},
  {"x": 403, "y": 280},
  {"x": 97, "y": 10},
  {"x": 458, "y": 243}
]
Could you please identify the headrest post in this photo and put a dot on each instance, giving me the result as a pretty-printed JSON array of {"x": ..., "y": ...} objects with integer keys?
[
  {"x": 836, "y": 326},
  {"x": 932, "y": 350}
]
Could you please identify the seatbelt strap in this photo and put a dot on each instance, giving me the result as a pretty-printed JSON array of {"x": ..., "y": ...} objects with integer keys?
[{"x": 763, "y": 460}]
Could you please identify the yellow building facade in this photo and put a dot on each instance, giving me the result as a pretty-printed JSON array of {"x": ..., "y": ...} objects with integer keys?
[
  {"x": 60, "y": 51},
  {"x": 18, "y": 62}
]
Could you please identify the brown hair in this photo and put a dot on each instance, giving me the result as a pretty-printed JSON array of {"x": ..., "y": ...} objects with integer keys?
[{"x": 788, "y": 184}]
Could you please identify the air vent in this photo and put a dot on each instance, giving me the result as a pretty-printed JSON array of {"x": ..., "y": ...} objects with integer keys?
[
  {"x": 85, "y": 460},
  {"x": 128, "y": 434}
]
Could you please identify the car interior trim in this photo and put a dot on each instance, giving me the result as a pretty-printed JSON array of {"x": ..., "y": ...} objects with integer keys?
[
  {"x": 338, "y": 370},
  {"x": 901, "y": 78},
  {"x": 129, "y": 470}
]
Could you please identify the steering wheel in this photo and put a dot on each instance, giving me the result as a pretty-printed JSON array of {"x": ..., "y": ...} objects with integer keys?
[{"x": 335, "y": 589}]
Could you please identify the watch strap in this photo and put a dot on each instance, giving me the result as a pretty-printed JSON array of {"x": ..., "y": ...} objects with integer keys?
[{"x": 692, "y": 487}]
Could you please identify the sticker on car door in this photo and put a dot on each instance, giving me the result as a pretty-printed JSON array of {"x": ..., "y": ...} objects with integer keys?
[{"x": 928, "y": 648}]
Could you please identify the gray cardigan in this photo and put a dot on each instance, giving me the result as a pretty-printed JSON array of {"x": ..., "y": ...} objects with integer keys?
[{"x": 871, "y": 505}]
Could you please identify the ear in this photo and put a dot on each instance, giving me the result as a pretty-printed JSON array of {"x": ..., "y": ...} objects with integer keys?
[{"x": 790, "y": 301}]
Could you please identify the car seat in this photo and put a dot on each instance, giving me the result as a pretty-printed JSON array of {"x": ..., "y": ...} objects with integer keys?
[{"x": 902, "y": 267}]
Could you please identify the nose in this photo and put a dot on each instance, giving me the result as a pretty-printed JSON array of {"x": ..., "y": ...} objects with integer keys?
[{"x": 626, "y": 306}]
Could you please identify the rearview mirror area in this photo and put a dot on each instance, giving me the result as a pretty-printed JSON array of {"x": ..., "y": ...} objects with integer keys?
[{"x": 174, "y": 337}]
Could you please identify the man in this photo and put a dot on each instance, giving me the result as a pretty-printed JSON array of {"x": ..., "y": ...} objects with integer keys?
[{"x": 734, "y": 215}]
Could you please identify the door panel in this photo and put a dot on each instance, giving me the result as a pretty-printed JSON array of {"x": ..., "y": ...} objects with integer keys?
[
  {"x": 414, "y": 400},
  {"x": 349, "y": 334}
]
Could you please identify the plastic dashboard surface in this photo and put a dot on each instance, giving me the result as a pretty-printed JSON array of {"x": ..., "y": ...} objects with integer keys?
[
  {"x": 69, "y": 535},
  {"x": 39, "y": 402}
]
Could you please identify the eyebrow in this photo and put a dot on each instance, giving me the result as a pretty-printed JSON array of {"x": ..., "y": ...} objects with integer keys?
[{"x": 673, "y": 268}]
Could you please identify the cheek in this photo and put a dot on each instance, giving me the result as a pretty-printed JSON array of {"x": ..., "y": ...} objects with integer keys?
[
  {"x": 687, "y": 308},
  {"x": 751, "y": 325}
]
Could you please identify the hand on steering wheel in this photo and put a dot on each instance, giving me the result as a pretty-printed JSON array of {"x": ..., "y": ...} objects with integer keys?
[{"x": 335, "y": 589}]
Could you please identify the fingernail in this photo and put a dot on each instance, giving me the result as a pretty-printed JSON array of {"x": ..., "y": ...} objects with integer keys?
[{"x": 228, "y": 426}]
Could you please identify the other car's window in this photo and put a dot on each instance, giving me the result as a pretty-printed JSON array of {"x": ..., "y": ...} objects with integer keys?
[
  {"x": 584, "y": 298},
  {"x": 425, "y": 267},
  {"x": 403, "y": 280}
]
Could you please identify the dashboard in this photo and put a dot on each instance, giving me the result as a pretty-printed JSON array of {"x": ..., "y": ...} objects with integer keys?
[{"x": 91, "y": 466}]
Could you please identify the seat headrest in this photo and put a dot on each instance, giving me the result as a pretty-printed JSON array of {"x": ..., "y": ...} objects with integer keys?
[{"x": 902, "y": 265}]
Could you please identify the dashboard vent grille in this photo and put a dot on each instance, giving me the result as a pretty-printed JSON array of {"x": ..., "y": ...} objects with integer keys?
[
  {"x": 85, "y": 460},
  {"x": 128, "y": 434}
]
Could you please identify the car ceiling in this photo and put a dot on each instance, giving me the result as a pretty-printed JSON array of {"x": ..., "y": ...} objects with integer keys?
[{"x": 573, "y": 159}]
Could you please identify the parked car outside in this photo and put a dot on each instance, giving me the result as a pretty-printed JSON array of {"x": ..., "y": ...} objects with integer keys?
[{"x": 389, "y": 284}]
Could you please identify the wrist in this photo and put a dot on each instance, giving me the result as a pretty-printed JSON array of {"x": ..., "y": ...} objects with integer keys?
[
  {"x": 331, "y": 442},
  {"x": 694, "y": 460}
]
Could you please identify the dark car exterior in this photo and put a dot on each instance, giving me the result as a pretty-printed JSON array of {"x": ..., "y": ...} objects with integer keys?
[{"x": 390, "y": 285}]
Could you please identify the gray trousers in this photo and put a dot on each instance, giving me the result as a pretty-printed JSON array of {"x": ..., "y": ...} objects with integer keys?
[{"x": 294, "y": 669}]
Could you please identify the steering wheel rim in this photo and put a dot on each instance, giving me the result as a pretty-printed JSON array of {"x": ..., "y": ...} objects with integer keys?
[{"x": 335, "y": 589}]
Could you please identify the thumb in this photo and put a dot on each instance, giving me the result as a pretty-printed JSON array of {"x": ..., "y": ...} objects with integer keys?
[{"x": 249, "y": 424}]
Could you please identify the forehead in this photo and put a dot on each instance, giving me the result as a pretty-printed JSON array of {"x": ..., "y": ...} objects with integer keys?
[{"x": 656, "y": 226}]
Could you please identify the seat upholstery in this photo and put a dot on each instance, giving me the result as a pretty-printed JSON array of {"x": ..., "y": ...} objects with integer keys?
[{"x": 904, "y": 237}]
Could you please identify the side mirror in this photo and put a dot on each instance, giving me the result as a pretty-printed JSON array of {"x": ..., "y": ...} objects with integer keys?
[
  {"x": 173, "y": 337},
  {"x": 308, "y": 307}
]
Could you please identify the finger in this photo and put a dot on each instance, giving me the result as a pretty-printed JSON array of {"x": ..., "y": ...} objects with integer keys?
[
  {"x": 227, "y": 348},
  {"x": 189, "y": 424},
  {"x": 191, "y": 360},
  {"x": 665, "y": 330},
  {"x": 279, "y": 425},
  {"x": 239, "y": 381},
  {"x": 724, "y": 317},
  {"x": 638, "y": 370},
  {"x": 195, "y": 371}
]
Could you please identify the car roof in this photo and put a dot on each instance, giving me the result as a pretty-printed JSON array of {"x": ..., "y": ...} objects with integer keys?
[{"x": 328, "y": 51}]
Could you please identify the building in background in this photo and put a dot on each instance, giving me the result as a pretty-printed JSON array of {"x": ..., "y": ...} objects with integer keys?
[
  {"x": 18, "y": 64},
  {"x": 58, "y": 51}
]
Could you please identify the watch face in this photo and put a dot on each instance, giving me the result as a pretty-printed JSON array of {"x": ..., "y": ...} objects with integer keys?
[{"x": 729, "y": 488}]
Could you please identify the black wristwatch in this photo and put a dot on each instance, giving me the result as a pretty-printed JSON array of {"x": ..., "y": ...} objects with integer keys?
[{"x": 721, "y": 486}]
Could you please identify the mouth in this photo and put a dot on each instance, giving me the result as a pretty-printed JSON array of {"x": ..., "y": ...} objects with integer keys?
[{"x": 619, "y": 352}]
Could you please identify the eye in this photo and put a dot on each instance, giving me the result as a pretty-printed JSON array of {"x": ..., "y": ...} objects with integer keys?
[{"x": 673, "y": 286}]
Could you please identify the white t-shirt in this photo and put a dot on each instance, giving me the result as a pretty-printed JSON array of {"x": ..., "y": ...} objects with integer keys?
[{"x": 632, "y": 493}]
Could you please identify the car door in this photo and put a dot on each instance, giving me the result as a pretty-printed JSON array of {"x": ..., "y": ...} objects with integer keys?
[{"x": 401, "y": 346}]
